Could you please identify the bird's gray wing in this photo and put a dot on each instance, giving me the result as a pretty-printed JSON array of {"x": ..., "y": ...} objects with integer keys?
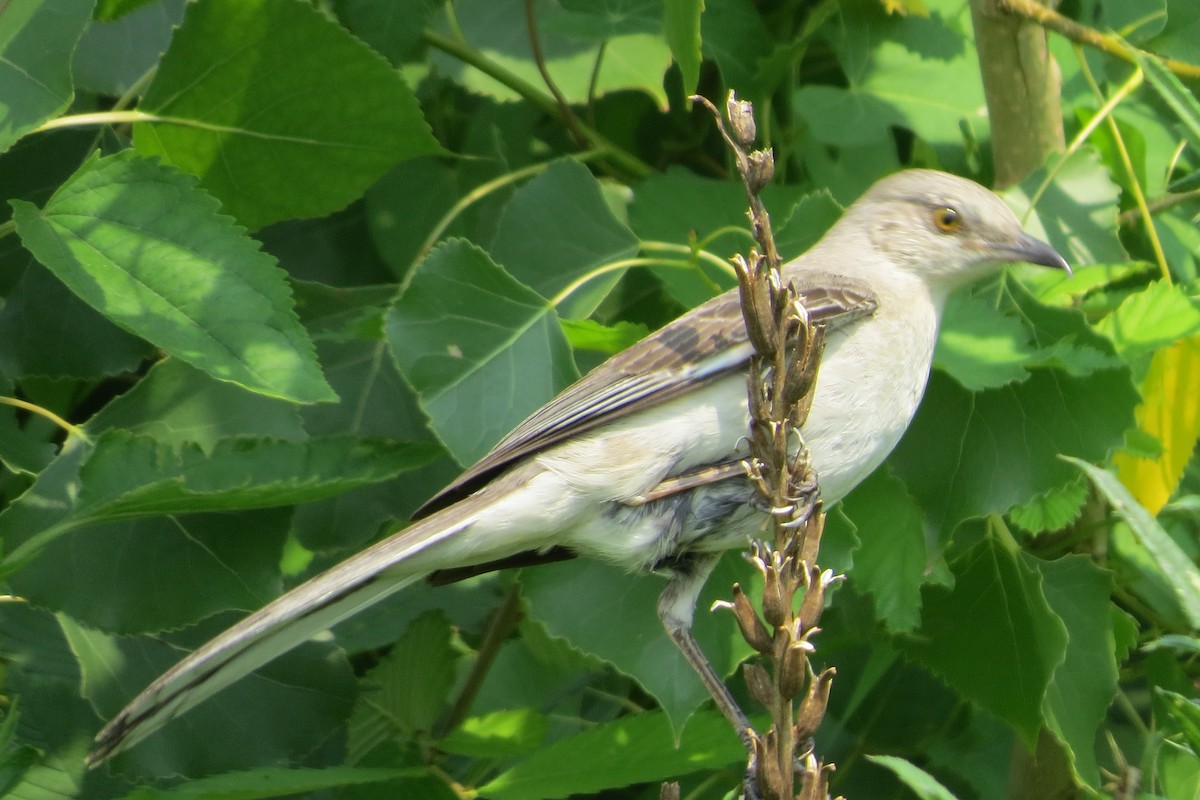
[{"x": 708, "y": 342}]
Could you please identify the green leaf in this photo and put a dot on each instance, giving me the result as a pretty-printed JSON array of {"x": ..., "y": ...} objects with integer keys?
[
  {"x": 993, "y": 636},
  {"x": 173, "y": 571},
  {"x": 968, "y": 455},
  {"x": 585, "y": 55},
  {"x": 681, "y": 27},
  {"x": 144, "y": 246},
  {"x": 482, "y": 350},
  {"x": 676, "y": 206},
  {"x": 1181, "y": 573},
  {"x": 175, "y": 403},
  {"x": 126, "y": 475},
  {"x": 130, "y": 475},
  {"x": 923, "y": 785},
  {"x": 1181, "y": 36},
  {"x": 587, "y": 334},
  {"x": 1075, "y": 210},
  {"x": 890, "y": 563},
  {"x": 408, "y": 690},
  {"x": 255, "y": 101},
  {"x": 1174, "y": 94},
  {"x": 633, "y": 749},
  {"x": 918, "y": 72},
  {"x": 1052, "y": 510},
  {"x": 33, "y": 342},
  {"x": 108, "y": 10},
  {"x": 500, "y": 734},
  {"x": 1084, "y": 684},
  {"x": 393, "y": 29},
  {"x": 573, "y": 600},
  {"x": 981, "y": 347},
  {"x": 268, "y": 782},
  {"x": 36, "y": 43},
  {"x": 563, "y": 205},
  {"x": 1146, "y": 320},
  {"x": 115, "y": 53},
  {"x": 300, "y": 698}
]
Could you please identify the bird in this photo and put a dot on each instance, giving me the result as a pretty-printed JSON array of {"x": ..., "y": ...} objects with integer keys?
[{"x": 637, "y": 463}]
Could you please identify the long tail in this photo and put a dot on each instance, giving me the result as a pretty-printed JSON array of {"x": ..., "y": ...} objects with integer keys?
[{"x": 354, "y": 584}]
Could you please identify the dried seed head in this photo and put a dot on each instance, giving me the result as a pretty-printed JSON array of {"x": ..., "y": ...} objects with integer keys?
[
  {"x": 812, "y": 708},
  {"x": 753, "y": 630},
  {"x": 760, "y": 168},
  {"x": 758, "y": 683},
  {"x": 741, "y": 120}
]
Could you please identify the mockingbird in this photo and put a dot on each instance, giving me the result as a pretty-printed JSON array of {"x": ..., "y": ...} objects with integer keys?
[{"x": 584, "y": 473}]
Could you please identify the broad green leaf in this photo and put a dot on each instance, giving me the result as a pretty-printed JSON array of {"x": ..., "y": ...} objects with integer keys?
[
  {"x": 26, "y": 445},
  {"x": 1182, "y": 574},
  {"x": 1185, "y": 714},
  {"x": 37, "y": 40},
  {"x": 408, "y": 690},
  {"x": 981, "y": 347},
  {"x": 681, "y": 27},
  {"x": 923, "y": 785},
  {"x": 562, "y": 205},
  {"x": 571, "y": 41},
  {"x": 968, "y": 455},
  {"x": 144, "y": 246},
  {"x": 676, "y": 206},
  {"x": 806, "y": 222},
  {"x": 253, "y": 94},
  {"x": 173, "y": 571},
  {"x": 283, "y": 711},
  {"x": 130, "y": 475},
  {"x": 1052, "y": 510},
  {"x": 127, "y": 475},
  {"x": 271, "y": 782},
  {"x": 918, "y": 72},
  {"x": 890, "y": 563},
  {"x": 587, "y": 334},
  {"x": 113, "y": 54},
  {"x": 1174, "y": 94},
  {"x": 1181, "y": 37},
  {"x": 1075, "y": 210},
  {"x": 175, "y": 403},
  {"x": 1155, "y": 317},
  {"x": 993, "y": 636},
  {"x": 107, "y": 10},
  {"x": 33, "y": 342},
  {"x": 481, "y": 350},
  {"x": 499, "y": 734},
  {"x": 732, "y": 34},
  {"x": 1135, "y": 20},
  {"x": 1084, "y": 684},
  {"x": 1060, "y": 289},
  {"x": 574, "y": 601},
  {"x": 633, "y": 749},
  {"x": 1169, "y": 413},
  {"x": 393, "y": 29}
]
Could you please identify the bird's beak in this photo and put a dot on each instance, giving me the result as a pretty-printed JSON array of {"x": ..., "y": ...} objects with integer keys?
[{"x": 1034, "y": 251}]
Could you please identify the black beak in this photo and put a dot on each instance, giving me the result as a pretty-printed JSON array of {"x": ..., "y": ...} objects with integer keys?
[{"x": 1034, "y": 251}]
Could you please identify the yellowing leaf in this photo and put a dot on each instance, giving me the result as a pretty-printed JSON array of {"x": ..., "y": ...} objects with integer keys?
[{"x": 1169, "y": 412}]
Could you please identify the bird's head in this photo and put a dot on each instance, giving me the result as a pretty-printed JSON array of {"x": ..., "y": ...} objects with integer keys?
[{"x": 946, "y": 230}]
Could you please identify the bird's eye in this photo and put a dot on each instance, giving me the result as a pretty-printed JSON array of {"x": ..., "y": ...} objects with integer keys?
[{"x": 947, "y": 219}]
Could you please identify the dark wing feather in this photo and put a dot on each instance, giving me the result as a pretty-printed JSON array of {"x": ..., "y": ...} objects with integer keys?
[{"x": 703, "y": 345}]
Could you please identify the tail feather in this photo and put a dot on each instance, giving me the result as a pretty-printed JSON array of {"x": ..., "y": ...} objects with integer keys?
[{"x": 297, "y": 616}]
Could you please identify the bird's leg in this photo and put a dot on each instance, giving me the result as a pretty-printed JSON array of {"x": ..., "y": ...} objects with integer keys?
[{"x": 676, "y": 610}]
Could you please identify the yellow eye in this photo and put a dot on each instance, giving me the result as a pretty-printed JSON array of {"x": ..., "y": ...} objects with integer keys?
[{"x": 947, "y": 219}]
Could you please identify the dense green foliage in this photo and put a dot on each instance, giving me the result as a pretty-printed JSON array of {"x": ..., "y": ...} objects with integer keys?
[{"x": 273, "y": 271}]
